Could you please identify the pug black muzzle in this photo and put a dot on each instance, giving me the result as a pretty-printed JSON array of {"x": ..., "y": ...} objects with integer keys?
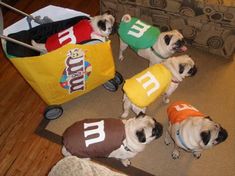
[
  {"x": 192, "y": 71},
  {"x": 157, "y": 130},
  {"x": 179, "y": 46},
  {"x": 222, "y": 136}
]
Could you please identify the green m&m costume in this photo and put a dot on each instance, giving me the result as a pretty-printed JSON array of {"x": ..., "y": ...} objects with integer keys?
[{"x": 137, "y": 34}]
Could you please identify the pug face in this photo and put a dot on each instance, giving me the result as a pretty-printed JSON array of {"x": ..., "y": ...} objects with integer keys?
[
  {"x": 103, "y": 24},
  {"x": 212, "y": 134},
  {"x": 174, "y": 41},
  {"x": 144, "y": 129},
  {"x": 181, "y": 67}
]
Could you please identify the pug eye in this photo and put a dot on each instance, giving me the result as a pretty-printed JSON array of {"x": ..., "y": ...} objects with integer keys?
[{"x": 181, "y": 68}]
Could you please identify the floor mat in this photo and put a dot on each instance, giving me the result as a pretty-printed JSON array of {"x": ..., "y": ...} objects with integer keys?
[{"x": 211, "y": 91}]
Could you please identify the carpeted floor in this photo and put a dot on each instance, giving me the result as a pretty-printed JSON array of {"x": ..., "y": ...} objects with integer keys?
[{"x": 212, "y": 91}]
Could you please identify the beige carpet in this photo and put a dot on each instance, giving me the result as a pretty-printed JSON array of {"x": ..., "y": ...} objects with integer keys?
[{"x": 212, "y": 91}]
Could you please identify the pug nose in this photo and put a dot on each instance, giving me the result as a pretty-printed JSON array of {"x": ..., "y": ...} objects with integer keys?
[
  {"x": 183, "y": 42},
  {"x": 222, "y": 136}
]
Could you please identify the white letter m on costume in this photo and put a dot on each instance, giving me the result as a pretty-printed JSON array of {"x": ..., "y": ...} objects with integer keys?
[
  {"x": 138, "y": 29},
  {"x": 182, "y": 107},
  {"x": 147, "y": 80},
  {"x": 99, "y": 130},
  {"x": 67, "y": 34}
]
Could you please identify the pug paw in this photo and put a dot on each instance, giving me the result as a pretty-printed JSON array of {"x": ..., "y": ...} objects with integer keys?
[
  {"x": 166, "y": 100},
  {"x": 124, "y": 115},
  {"x": 167, "y": 141},
  {"x": 175, "y": 154},
  {"x": 197, "y": 155},
  {"x": 126, "y": 162},
  {"x": 121, "y": 58}
]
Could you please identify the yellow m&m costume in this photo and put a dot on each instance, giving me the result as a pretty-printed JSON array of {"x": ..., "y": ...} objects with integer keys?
[{"x": 145, "y": 87}]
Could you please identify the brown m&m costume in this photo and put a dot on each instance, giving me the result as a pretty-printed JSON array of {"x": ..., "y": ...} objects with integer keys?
[{"x": 94, "y": 137}]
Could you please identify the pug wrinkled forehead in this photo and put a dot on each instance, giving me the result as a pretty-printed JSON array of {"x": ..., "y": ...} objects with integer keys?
[
  {"x": 105, "y": 23},
  {"x": 175, "y": 40}
]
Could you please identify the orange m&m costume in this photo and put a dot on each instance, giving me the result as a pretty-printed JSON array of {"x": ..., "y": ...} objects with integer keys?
[{"x": 180, "y": 110}]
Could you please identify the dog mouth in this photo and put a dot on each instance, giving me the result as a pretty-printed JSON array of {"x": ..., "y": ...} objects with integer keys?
[
  {"x": 182, "y": 49},
  {"x": 180, "y": 46}
]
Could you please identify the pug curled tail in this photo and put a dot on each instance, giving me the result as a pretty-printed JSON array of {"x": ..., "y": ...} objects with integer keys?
[{"x": 126, "y": 18}]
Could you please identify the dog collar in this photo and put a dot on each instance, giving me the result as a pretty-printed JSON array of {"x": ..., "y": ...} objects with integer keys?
[
  {"x": 181, "y": 140},
  {"x": 126, "y": 148},
  {"x": 174, "y": 81},
  {"x": 156, "y": 53}
]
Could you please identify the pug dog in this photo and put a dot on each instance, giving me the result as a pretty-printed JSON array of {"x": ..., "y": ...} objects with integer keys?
[
  {"x": 98, "y": 27},
  {"x": 160, "y": 79},
  {"x": 112, "y": 138},
  {"x": 191, "y": 130},
  {"x": 147, "y": 41}
]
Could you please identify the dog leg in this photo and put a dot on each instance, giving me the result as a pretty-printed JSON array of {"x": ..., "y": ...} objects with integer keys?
[
  {"x": 176, "y": 153},
  {"x": 65, "y": 152},
  {"x": 126, "y": 162},
  {"x": 95, "y": 36},
  {"x": 167, "y": 138},
  {"x": 197, "y": 154},
  {"x": 126, "y": 106},
  {"x": 172, "y": 87},
  {"x": 166, "y": 99},
  {"x": 123, "y": 47}
]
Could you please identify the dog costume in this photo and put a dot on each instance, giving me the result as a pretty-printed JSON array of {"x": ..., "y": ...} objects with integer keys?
[
  {"x": 75, "y": 34},
  {"x": 180, "y": 110},
  {"x": 39, "y": 34},
  {"x": 94, "y": 137},
  {"x": 137, "y": 34},
  {"x": 145, "y": 87}
]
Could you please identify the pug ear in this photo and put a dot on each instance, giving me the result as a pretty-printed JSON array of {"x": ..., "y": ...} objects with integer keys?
[
  {"x": 141, "y": 136},
  {"x": 206, "y": 136},
  {"x": 181, "y": 68},
  {"x": 141, "y": 114},
  {"x": 102, "y": 24},
  {"x": 208, "y": 117},
  {"x": 108, "y": 12},
  {"x": 167, "y": 39}
]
